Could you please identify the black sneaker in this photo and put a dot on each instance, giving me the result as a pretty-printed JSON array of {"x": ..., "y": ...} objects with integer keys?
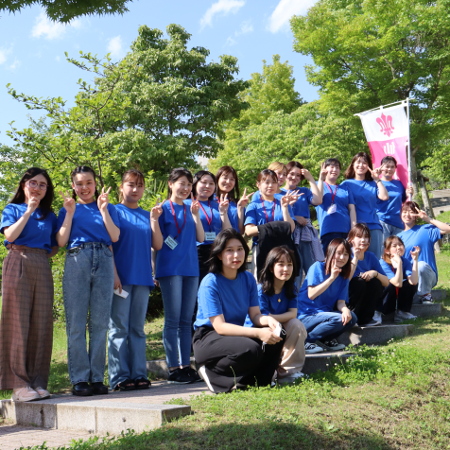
[
  {"x": 179, "y": 376},
  {"x": 193, "y": 374},
  {"x": 331, "y": 345},
  {"x": 99, "y": 388}
]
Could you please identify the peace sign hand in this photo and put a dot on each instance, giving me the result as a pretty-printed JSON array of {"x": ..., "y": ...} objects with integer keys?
[
  {"x": 375, "y": 173},
  {"x": 69, "y": 202},
  {"x": 224, "y": 203},
  {"x": 335, "y": 271},
  {"x": 195, "y": 205},
  {"x": 103, "y": 200},
  {"x": 245, "y": 199},
  {"x": 323, "y": 172}
]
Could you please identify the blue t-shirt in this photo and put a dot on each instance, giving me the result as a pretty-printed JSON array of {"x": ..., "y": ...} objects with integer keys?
[
  {"x": 276, "y": 303},
  {"x": 389, "y": 210},
  {"x": 183, "y": 259},
  {"x": 233, "y": 215},
  {"x": 339, "y": 221},
  {"x": 365, "y": 195},
  {"x": 259, "y": 213},
  {"x": 132, "y": 252},
  {"x": 301, "y": 206},
  {"x": 370, "y": 262},
  {"x": 390, "y": 271},
  {"x": 210, "y": 217},
  {"x": 256, "y": 197},
  {"x": 325, "y": 302},
  {"x": 36, "y": 233},
  {"x": 232, "y": 298},
  {"x": 425, "y": 236}
]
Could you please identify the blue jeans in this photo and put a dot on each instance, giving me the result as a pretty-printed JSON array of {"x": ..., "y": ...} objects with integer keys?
[
  {"x": 326, "y": 325},
  {"x": 179, "y": 295},
  {"x": 126, "y": 337},
  {"x": 88, "y": 290},
  {"x": 389, "y": 230},
  {"x": 427, "y": 278},
  {"x": 376, "y": 242}
]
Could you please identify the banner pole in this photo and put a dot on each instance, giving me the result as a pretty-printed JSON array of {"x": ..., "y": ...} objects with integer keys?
[{"x": 409, "y": 148}]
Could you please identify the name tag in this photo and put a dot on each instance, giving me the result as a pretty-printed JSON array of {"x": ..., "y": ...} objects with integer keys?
[
  {"x": 171, "y": 242},
  {"x": 210, "y": 235},
  {"x": 332, "y": 209}
]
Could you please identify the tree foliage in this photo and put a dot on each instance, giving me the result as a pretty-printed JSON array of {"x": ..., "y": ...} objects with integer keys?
[
  {"x": 66, "y": 10},
  {"x": 372, "y": 52},
  {"x": 161, "y": 106}
]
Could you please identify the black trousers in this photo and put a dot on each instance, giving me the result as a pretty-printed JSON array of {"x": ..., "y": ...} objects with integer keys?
[
  {"x": 364, "y": 297},
  {"x": 397, "y": 298},
  {"x": 235, "y": 361}
]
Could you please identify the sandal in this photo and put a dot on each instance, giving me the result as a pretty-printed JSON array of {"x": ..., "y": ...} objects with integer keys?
[
  {"x": 127, "y": 385},
  {"x": 142, "y": 383}
]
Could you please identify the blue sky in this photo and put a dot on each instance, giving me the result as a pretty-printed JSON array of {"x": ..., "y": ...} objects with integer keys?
[{"x": 32, "y": 47}]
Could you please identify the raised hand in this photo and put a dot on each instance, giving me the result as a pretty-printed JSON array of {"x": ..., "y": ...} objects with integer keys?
[
  {"x": 32, "y": 204},
  {"x": 103, "y": 199},
  {"x": 396, "y": 260},
  {"x": 421, "y": 215},
  {"x": 245, "y": 199},
  {"x": 376, "y": 173},
  {"x": 195, "y": 205},
  {"x": 415, "y": 253},
  {"x": 156, "y": 211},
  {"x": 69, "y": 202},
  {"x": 224, "y": 203},
  {"x": 323, "y": 172},
  {"x": 307, "y": 175},
  {"x": 335, "y": 271},
  {"x": 290, "y": 198}
]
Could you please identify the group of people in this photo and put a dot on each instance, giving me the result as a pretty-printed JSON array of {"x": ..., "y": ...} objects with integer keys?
[{"x": 303, "y": 290}]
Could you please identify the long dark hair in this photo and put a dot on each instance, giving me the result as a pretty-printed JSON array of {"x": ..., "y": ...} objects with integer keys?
[
  {"x": 350, "y": 172},
  {"x": 267, "y": 277},
  {"x": 234, "y": 194},
  {"x": 218, "y": 246},
  {"x": 331, "y": 251},
  {"x": 198, "y": 176},
  {"x": 175, "y": 175},
  {"x": 83, "y": 169},
  {"x": 45, "y": 205}
]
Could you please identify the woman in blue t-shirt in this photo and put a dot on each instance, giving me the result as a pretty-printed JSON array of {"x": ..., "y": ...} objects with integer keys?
[
  {"x": 423, "y": 236},
  {"x": 213, "y": 214},
  {"x": 277, "y": 295},
  {"x": 88, "y": 228},
  {"x": 323, "y": 298},
  {"x": 26, "y": 327},
  {"x": 230, "y": 355},
  {"x": 403, "y": 277},
  {"x": 177, "y": 273},
  {"x": 365, "y": 185},
  {"x": 368, "y": 278},
  {"x": 133, "y": 280}
]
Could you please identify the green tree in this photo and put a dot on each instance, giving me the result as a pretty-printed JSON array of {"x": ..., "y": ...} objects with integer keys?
[
  {"x": 372, "y": 52},
  {"x": 66, "y": 10},
  {"x": 160, "y": 107}
]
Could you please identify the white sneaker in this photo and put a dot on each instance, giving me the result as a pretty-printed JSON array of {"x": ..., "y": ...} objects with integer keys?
[
  {"x": 311, "y": 348},
  {"x": 43, "y": 393},
  {"x": 204, "y": 376},
  {"x": 400, "y": 316},
  {"x": 293, "y": 377},
  {"x": 25, "y": 394},
  {"x": 377, "y": 317}
]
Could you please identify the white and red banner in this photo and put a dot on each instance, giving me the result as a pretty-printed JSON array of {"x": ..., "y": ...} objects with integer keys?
[{"x": 387, "y": 134}]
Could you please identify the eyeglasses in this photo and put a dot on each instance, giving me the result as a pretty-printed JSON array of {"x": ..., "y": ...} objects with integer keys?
[{"x": 35, "y": 185}]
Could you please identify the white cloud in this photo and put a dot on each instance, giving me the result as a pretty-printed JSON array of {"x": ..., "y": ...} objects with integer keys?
[
  {"x": 223, "y": 7},
  {"x": 4, "y": 52},
  {"x": 285, "y": 10},
  {"x": 15, "y": 65},
  {"x": 115, "y": 47},
  {"x": 246, "y": 28},
  {"x": 44, "y": 27}
]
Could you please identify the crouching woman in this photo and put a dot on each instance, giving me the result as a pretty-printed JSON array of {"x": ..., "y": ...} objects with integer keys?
[{"x": 229, "y": 355}]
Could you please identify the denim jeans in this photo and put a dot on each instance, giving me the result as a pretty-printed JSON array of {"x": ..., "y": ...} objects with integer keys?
[
  {"x": 179, "y": 295},
  {"x": 389, "y": 230},
  {"x": 376, "y": 242},
  {"x": 126, "y": 337},
  {"x": 427, "y": 278},
  {"x": 326, "y": 325},
  {"x": 88, "y": 290}
]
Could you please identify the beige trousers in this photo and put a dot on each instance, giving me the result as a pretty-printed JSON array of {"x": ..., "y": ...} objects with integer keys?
[{"x": 293, "y": 353}]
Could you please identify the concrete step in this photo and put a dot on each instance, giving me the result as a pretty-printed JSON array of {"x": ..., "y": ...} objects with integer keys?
[
  {"x": 430, "y": 310},
  {"x": 375, "y": 335},
  {"x": 119, "y": 411},
  {"x": 438, "y": 294}
]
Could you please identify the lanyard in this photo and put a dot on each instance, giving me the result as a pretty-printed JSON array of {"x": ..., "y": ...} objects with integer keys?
[
  {"x": 179, "y": 230},
  {"x": 333, "y": 194},
  {"x": 208, "y": 219},
  {"x": 265, "y": 212}
]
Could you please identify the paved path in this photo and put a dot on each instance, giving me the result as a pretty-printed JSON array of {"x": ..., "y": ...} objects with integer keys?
[{"x": 13, "y": 437}]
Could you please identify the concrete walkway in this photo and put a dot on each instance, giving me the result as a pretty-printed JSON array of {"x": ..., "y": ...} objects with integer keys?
[{"x": 73, "y": 418}]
